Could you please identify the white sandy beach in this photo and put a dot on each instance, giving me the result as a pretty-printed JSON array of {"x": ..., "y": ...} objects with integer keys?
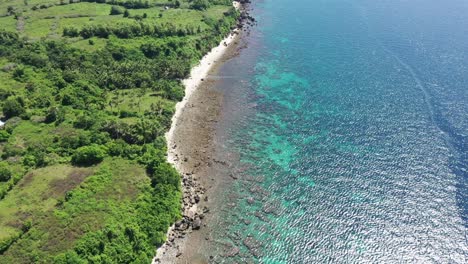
[
  {"x": 166, "y": 253},
  {"x": 198, "y": 73}
]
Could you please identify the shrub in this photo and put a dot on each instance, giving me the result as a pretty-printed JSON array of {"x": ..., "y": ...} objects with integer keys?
[
  {"x": 126, "y": 113},
  {"x": 52, "y": 114},
  {"x": 89, "y": 155},
  {"x": 13, "y": 107},
  {"x": 29, "y": 161},
  {"x": 116, "y": 10},
  {"x": 164, "y": 173},
  {"x": 11, "y": 150},
  {"x": 5, "y": 172},
  {"x": 151, "y": 50},
  {"x": 4, "y": 135},
  {"x": 84, "y": 121},
  {"x": 8, "y": 38},
  {"x": 71, "y": 32},
  {"x": 200, "y": 4}
]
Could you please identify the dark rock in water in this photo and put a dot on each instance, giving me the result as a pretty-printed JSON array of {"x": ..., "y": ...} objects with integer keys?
[
  {"x": 252, "y": 245},
  {"x": 253, "y": 189},
  {"x": 260, "y": 179},
  {"x": 250, "y": 200},
  {"x": 196, "y": 224},
  {"x": 271, "y": 208},
  {"x": 260, "y": 216},
  {"x": 267, "y": 209},
  {"x": 247, "y": 222},
  {"x": 235, "y": 236},
  {"x": 232, "y": 252}
]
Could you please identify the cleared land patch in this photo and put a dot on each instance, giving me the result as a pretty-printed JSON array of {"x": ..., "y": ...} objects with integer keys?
[{"x": 36, "y": 194}]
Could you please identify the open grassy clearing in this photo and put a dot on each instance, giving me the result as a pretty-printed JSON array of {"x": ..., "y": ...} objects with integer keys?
[
  {"x": 38, "y": 192},
  {"x": 137, "y": 100},
  {"x": 50, "y": 21},
  {"x": 105, "y": 195}
]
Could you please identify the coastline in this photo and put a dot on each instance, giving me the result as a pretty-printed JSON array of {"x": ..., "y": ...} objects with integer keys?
[
  {"x": 197, "y": 76},
  {"x": 189, "y": 145}
]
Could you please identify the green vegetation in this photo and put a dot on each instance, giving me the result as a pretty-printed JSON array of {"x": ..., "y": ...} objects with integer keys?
[
  {"x": 5, "y": 172},
  {"x": 89, "y": 155},
  {"x": 87, "y": 92}
]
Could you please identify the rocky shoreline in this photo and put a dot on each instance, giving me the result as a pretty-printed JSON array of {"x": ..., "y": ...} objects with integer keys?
[{"x": 191, "y": 146}]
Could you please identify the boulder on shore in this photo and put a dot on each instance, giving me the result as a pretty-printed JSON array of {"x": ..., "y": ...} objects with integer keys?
[{"x": 196, "y": 224}]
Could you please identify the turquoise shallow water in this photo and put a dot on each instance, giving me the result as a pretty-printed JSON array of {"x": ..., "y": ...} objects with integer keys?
[{"x": 350, "y": 121}]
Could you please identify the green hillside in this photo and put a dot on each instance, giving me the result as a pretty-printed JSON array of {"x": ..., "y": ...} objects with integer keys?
[{"x": 87, "y": 91}]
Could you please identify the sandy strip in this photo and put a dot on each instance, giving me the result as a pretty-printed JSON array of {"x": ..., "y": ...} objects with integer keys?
[
  {"x": 166, "y": 252},
  {"x": 197, "y": 75}
]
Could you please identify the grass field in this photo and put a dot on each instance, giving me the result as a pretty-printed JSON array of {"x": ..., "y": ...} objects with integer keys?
[
  {"x": 37, "y": 193},
  {"x": 107, "y": 191},
  {"x": 49, "y": 22}
]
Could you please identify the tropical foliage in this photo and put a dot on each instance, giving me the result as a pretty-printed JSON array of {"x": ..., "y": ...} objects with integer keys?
[{"x": 83, "y": 172}]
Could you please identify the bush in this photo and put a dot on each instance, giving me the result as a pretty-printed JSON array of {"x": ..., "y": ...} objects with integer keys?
[
  {"x": 164, "y": 173},
  {"x": 71, "y": 32},
  {"x": 5, "y": 172},
  {"x": 29, "y": 161},
  {"x": 13, "y": 107},
  {"x": 151, "y": 50},
  {"x": 89, "y": 155},
  {"x": 200, "y": 4},
  {"x": 52, "y": 114},
  {"x": 4, "y": 135},
  {"x": 84, "y": 121},
  {"x": 116, "y": 10},
  {"x": 11, "y": 150},
  {"x": 126, "y": 113}
]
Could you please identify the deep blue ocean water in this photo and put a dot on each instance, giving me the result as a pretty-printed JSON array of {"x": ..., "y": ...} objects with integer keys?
[{"x": 350, "y": 122}]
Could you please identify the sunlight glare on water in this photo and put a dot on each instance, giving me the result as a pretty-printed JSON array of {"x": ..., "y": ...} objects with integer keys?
[{"x": 355, "y": 146}]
